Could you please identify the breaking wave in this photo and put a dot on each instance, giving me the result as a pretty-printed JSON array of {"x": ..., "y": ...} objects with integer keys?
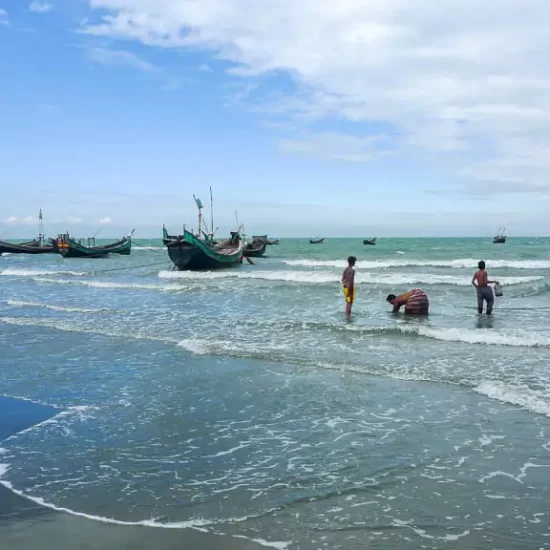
[{"x": 465, "y": 263}]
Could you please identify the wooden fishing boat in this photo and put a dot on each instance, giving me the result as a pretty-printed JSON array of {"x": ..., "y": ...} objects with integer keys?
[
  {"x": 272, "y": 241},
  {"x": 196, "y": 252},
  {"x": 500, "y": 237},
  {"x": 316, "y": 241},
  {"x": 189, "y": 252},
  {"x": 36, "y": 246},
  {"x": 256, "y": 248},
  {"x": 71, "y": 248},
  {"x": 372, "y": 242}
]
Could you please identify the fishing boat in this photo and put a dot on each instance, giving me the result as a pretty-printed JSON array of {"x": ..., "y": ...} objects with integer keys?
[
  {"x": 72, "y": 248},
  {"x": 500, "y": 237},
  {"x": 36, "y": 246},
  {"x": 265, "y": 238},
  {"x": 372, "y": 242},
  {"x": 317, "y": 240},
  {"x": 200, "y": 251},
  {"x": 256, "y": 248},
  {"x": 272, "y": 241}
]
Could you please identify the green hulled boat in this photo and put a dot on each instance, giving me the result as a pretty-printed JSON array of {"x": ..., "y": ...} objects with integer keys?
[
  {"x": 71, "y": 248},
  {"x": 201, "y": 251},
  {"x": 189, "y": 252}
]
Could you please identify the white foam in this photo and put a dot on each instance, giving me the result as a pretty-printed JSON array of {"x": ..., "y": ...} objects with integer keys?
[
  {"x": 263, "y": 542},
  {"x": 3, "y": 469},
  {"x": 146, "y": 247},
  {"x": 76, "y": 327},
  {"x": 535, "y": 401},
  {"x": 79, "y": 411},
  {"x": 23, "y": 303},
  {"x": 316, "y": 277},
  {"x": 463, "y": 263},
  {"x": 488, "y": 337},
  {"x": 111, "y": 285},
  {"x": 37, "y": 272}
]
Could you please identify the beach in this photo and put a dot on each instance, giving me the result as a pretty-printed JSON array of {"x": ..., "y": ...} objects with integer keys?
[{"x": 239, "y": 409}]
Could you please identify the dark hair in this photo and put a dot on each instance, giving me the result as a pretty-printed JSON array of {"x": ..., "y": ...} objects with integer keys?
[
  {"x": 481, "y": 265},
  {"x": 352, "y": 260},
  {"x": 391, "y": 297}
]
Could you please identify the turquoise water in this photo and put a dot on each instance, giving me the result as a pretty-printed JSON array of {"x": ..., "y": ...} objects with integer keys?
[{"x": 242, "y": 402}]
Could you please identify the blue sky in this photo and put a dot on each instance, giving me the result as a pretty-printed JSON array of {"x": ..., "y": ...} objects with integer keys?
[{"x": 348, "y": 118}]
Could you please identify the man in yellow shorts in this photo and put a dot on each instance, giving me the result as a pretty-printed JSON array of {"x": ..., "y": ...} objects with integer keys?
[{"x": 348, "y": 280}]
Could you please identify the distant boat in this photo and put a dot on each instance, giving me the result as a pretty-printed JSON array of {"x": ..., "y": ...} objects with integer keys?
[
  {"x": 36, "y": 246},
  {"x": 370, "y": 241},
  {"x": 256, "y": 248},
  {"x": 190, "y": 252},
  {"x": 72, "y": 248},
  {"x": 500, "y": 237},
  {"x": 265, "y": 238},
  {"x": 317, "y": 240}
]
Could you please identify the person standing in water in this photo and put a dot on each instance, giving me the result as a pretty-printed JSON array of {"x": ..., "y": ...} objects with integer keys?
[
  {"x": 415, "y": 301},
  {"x": 348, "y": 280},
  {"x": 484, "y": 292}
]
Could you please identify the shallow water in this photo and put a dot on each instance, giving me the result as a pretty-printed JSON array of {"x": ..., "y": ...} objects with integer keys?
[{"x": 242, "y": 402}]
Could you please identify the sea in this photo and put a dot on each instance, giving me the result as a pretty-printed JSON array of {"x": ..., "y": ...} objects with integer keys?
[{"x": 242, "y": 403}]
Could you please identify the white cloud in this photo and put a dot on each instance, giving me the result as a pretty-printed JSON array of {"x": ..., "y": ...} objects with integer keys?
[
  {"x": 119, "y": 58},
  {"x": 4, "y": 20},
  {"x": 72, "y": 219},
  {"x": 23, "y": 220},
  {"x": 105, "y": 221},
  {"x": 458, "y": 77},
  {"x": 205, "y": 68},
  {"x": 40, "y": 7}
]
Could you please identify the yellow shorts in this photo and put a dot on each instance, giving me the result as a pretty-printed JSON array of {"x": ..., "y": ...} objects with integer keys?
[{"x": 350, "y": 299}]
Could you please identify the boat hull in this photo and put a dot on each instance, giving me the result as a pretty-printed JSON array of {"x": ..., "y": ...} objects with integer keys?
[
  {"x": 255, "y": 250},
  {"x": 191, "y": 254},
  {"x": 69, "y": 248},
  {"x": 25, "y": 248},
  {"x": 499, "y": 240}
]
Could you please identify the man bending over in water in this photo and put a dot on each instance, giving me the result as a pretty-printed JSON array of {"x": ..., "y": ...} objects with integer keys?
[
  {"x": 484, "y": 292},
  {"x": 348, "y": 280},
  {"x": 415, "y": 301}
]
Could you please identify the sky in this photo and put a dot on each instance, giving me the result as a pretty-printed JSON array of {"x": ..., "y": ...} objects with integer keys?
[{"x": 306, "y": 117}]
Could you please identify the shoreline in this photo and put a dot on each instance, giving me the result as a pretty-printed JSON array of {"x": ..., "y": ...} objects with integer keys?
[{"x": 25, "y": 525}]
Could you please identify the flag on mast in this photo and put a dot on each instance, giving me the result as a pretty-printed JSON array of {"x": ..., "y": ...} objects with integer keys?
[
  {"x": 199, "y": 203},
  {"x": 40, "y": 214}
]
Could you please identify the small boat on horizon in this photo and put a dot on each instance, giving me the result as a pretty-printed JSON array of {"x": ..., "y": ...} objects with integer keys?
[
  {"x": 72, "y": 248},
  {"x": 318, "y": 240},
  {"x": 36, "y": 246},
  {"x": 500, "y": 237},
  {"x": 371, "y": 242}
]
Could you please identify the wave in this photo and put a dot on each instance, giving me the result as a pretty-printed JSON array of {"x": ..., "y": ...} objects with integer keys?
[
  {"x": 23, "y": 303},
  {"x": 198, "y": 523},
  {"x": 111, "y": 285},
  {"x": 309, "y": 277},
  {"x": 77, "y": 327},
  {"x": 147, "y": 247},
  {"x": 533, "y": 400},
  {"x": 38, "y": 272},
  {"x": 465, "y": 263}
]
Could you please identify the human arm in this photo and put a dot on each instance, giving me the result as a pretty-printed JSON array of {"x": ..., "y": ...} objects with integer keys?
[{"x": 474, "y": 278}]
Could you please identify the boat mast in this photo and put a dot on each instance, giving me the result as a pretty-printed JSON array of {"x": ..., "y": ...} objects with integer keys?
[
  {"x": 211, "y": 213},
  {"x": 40, "y": 229}
]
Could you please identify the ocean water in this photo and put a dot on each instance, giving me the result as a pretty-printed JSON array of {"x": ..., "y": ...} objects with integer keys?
[{"x": 242, "y": 402}]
